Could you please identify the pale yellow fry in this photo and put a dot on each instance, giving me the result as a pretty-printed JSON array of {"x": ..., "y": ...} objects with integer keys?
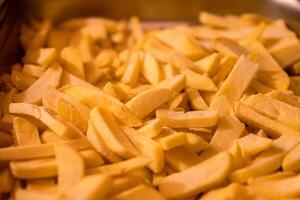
[
  {"x": 229, "y": 47},
  {"x": 238, "y": 80},
  {"x": 146, "y": 102},
  {"x": 196, "y": 100},
  {"x": 120, "y": 168},
  {"x": 34, "y": 93},
  {"x": 125, "y": 182},
  {"x": 92, "y": 187},
  {"x": 38, "y": 112},
  {"x": 209, "y": 64},
  {"x": 39, "y": 151},
  {"x": 143, "y": 191},
  {"x": 72, "y": 61},
  {"x": 170, "y": 139},
  {"x": 40, "y": 56},
  {"x": 25, "y": 133},
  {"x": 198, "y": 178},
  {"x": 94, "y": 97},
  {"x": 70, "y": 167},
  {"x": 133, "y": 68},
  {"x": 106, "y": 125},
  {"x": 98, "y": 143},
  {"x": 151, "y": 69},
  {"x": 191, "y": 119},
  {"x": 70, "y": 79},
  {"x": 169, "y": 71},
  {"x": 175, "y": 83},
  {"x": 251, "y": 117},
  {"x": 150, "y": 129},
  {"x": 195, "y": 142},
  {"x": 68, "y": 108}
]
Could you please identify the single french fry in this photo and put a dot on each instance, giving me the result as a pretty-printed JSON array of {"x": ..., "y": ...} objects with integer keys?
[
  {"x": 146, "y": 102},
  {"x": 230, "y": 47},
  {"x": 40, "y": 56},
  {"x": 38, "y": 112},
  {"x": 70, "y": 167},
  {"x": 196, "y": 179},
  {"x": 25, "y": 133},
  {"x": 133, "y": 68},
  {"x": 181, "y": 158},
  {"x": 209, "y": 64},
  {"x": 92, "y": 97},
  {"x": 252, "y": 144},
  {"x": 69, "y": 109},
  {"x": 170, "y": 139},
  {"x": 92, "y": 187},
  {"x": 120, "y": 168},
  {"x": 72, "y": 61},
  {"x": 177, "y": 101},
  {"x": 226, "y": 65},
  {"x": 195, "y": 142},
  {"x": 98, "y": 143},
  {"x": 175, "y": 83},
  {"x": 192, "y": 119},
  {"x": 150, "y": 129},
  {"x": 34, "y": 93},
  {"x": 106, "y": 125},
  {"x": 151, "y": 69},
  {"x": 291, "y": 160},
  {"x": 21, "y": 80},
  {"x": 149, "y": 148},
  {"x": 139, "y": 192},
  {"x": 196, "y": 100}
]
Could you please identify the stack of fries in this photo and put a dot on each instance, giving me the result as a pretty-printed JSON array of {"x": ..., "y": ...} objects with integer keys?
[{"x": 103, "y": 109}]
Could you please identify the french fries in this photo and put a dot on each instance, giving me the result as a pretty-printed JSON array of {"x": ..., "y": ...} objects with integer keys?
[{"x": 113, "y": 110}]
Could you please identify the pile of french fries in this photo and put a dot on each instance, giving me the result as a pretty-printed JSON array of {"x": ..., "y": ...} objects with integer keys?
[{"x": 117, "y": 110}]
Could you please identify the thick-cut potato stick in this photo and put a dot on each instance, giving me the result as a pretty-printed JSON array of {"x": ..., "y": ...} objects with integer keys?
[
  {"x": 148, "y": 148},
  {"x": 251, "y": 117},
  {"x": 196, "y": 100},
  {"x": 181, "y": 158},
  {"x": 69, "y": 109},
  {"x": 252, "y": 144},
  {"x": 197, "y": 178},
  {"x": 150, "y": 129},
  {"x": 93, "y": 97},
  {"x": 192, "y": 119},
  {"x": 106, "y": 125},
  {"x": 238, "y": 80},
  {"x": 25, "y": 133},
  {"x": 21, "y": 80},
  {"x": 210, "y": 64},
  {"x": 151, "y": 69},
  {"x": 70, "y": 167},
  {"x": 175, "y": 83},
  {"x": 41, "y": 56},
  {"x": 47, "y": 167},
  {"x": 133, "y": 68},
  {"x": 57, "y": 126},
  {"x": 98, "y": 143},
  {"x": 34, "y": 93},
  {"x": 120, "y": 168},
  {"x": 229, "y": 47},
  {"x": 72, "y": 61},
  {"x": 93, "y": 187},
  {"x": 276, "y": 110},
  {"x": 171, "y": 139},
  {"x": 39, "y": 151},
  {"x": 292, "y": 159},
  {"x": 226, "y": 64},
  {"x": 146, "y": 102},
  {"x": 195, "y": 142},
  {"x": 6, "y": 180},
  {"x": 143, "y": 191}
]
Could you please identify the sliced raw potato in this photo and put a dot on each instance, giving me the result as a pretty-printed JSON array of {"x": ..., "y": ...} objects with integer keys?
[
  {"x": 34, "y": 93},
  {"x": 70, "y": 167},
  {"x": 106, "y": 125},
  {"x": 252, "y": 144},
  {"x": 195, "y": 142},
  {"x": 151, "y": 69},
  {"x": 181, "y": 42},
  {"x": 198, "y": 178},
  {"x": 209, "y": 64},
  {"x": 191, "y": 119},
  {"x": 230, "y": 47},
  {"x": 120, "y": 168},
  {"x": 170, "y": 139},
  {"x": 6, "y": 180},
  {"x": 98, "y": 143},
  {"x": 146, "y": 102},
  {"x": 47, "y": 167},
  {"x": 39, "y": 151},
  {"x": 229, "y": 129},
  {"x": 181, "y": 158},
  {"x": 21, "y": 80},
  {"x": 251, "y": 117},
  {"x": 148, "y": 148},
  {"x": 69, "y": 109},
  {"x": 196, "y": 100},
  {"x": 60, "y": 128},
  {"x": 133, "y": 68},
  {"x": 150, "y": 129},
  {"x": 72, "y": 61},
  {"x": 40, "y": 56},
  {"x": 292, "y": 159},
  {"x": 25, "y": 133},
  {"x": 238, "y": 80},
  {"x": 175, "y": 83},
  {"x": 92, "y": 187},
  {"x": 282, "y": 187},
  {"x": 139, "y": 192},
  {"x": 92, "y": 97},
  {"x": 275, "y": 109}
]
